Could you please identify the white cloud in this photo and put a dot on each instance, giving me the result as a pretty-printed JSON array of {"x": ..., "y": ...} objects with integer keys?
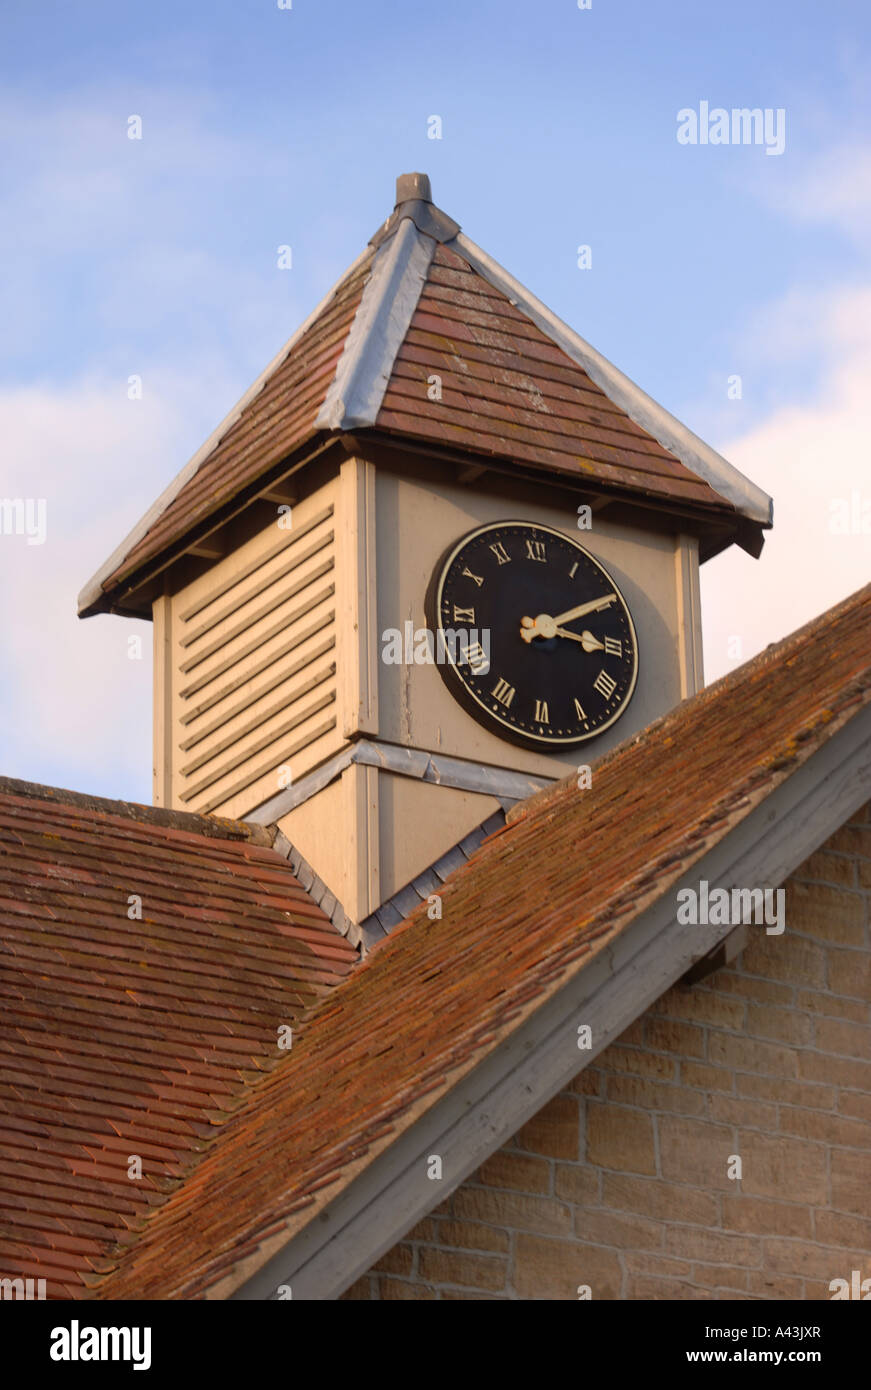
[
  {"x": 807, "y": 455},
  {"x": 76, "y": 709},
  {"x": 833, "y": 188}
]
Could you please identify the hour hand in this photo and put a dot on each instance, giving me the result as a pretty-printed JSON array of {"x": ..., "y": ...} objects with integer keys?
[{"x": 586, "y": 639}]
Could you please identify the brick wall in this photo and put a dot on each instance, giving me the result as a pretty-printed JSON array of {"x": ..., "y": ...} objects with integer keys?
[{"x": 621, "y": 1183}]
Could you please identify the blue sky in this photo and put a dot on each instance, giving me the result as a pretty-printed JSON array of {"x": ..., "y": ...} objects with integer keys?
[{"x": 263, "y": 127}]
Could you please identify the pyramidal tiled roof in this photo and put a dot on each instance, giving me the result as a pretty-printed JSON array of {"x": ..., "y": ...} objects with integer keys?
[{"x": 516, "y": 387}]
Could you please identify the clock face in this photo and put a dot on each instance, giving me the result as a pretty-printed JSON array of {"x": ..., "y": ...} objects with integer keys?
[{"x": 539, "y": 643}]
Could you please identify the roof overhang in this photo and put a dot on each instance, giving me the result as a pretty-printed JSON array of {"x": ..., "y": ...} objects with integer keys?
[
  {"x": 388, "y": 1191},
  {"x": 403, "y": 249}
]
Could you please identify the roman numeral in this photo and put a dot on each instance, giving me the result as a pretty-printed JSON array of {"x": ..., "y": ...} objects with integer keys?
[
  {"x": 464, "y": 615},
  {"x": 477, "y": 658},
  {"x": 503, "y": 692},
  {"x": 501, "y": 553},
  {"x": 469, "y": 575},
  {"x": 579, "y": 711},
  {"x": 535, "y": 550},
  {"x": 541, "y": 714},
  {"x": 613, "y": 647},
  {"x": 605, "y": 685}
]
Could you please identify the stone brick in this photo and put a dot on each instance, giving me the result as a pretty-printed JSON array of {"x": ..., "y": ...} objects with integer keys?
[
  {"x": 633, "y": 1034},
  {"x": 786, "y": 958},
  {"x": 834, "y": 1129},
  {"x": 738, "y": 1110},
  {"x": 852, "y": 1103},
  {"x": 620, "y": 1138},
  {"x": 784, "y": 1025},
  {"x": 785, "y": 1168},
  {"x": 576, "y": 1182},
  {"x": 787, "y": 1092},
  {"x": 456, "y": 1267},
  {"x": 850, "y": 1039},
  {"x": 851, "y": 1181},
  {"x": 832, "y": 1005},
  {"x": 701, "y": 1005},
  {"x": 642, "y": 1287},
  {"x": 833, "y": 1228},
  {"x": 670, "y": 1035},
  {"x": 829, "y": 914},
  {"x": 520, "y": 1172},
  {"x": 657, "y": 1265},
  {"x": 760, "y": 1217},
  {"x": 712, "y": 1247},
  {"x": 811, "y": 1261},
  {"x": 746, "y": 1054},
  {"x": 399, "y": 1260},
  {"x": 587, "y": 1082},
  {"x": 555, "y": 1130},
  {"x": 632, "y": 1059},
  {"x": 660, "y": 1200},
  {"x": 553, "y": 1269},
  {"x": 694, "y": 1152},
  {"x": 623, "y": 1232},
  {"x": 850, "y": 973},
  {"x": 817, "y": 1290},
  {"x": 473, "y": 1235},
  {"x": 427, "y": 1229},
  {"x": 707, "y": 1078},
  {"x": 750, "y": 987},
  {"x": 393, "y": 1290},
  {"x": 836, "y": 1071},
  {"x": 824, "y": 867},
  {"x": 766, "y": 1283},
  {"x": 864, "y": 874},
  {"x": 654, "y": 1095},
  {"x": 852, "y": 838},
  {"x": 720, "y": 1278},
  {"x": 513, "y": 1210}
]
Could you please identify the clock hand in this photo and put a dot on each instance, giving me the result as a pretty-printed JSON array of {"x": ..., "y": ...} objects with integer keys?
[
  {"x": 586, "y": 639},
  {"x": 545, "y": 626},
  {"x": 592, "y": 607}
]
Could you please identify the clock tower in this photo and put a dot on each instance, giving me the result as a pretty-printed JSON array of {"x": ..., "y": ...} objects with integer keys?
[{"x": 441, "y": 554}]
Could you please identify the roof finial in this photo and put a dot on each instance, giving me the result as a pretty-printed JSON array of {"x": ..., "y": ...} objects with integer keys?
[{"x": 413, "y": 187}]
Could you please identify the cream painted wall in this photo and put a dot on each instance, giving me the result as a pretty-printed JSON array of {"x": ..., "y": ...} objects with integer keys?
[{"x": 418, "y": 519}]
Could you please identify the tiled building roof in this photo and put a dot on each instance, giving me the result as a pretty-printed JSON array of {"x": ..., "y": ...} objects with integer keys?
[
  {"x": 129, "y": 1035},
  {"x": 410, "y": 309},
  {"x": 511, "y": 392},
  {"x": 534, "y": 906}
]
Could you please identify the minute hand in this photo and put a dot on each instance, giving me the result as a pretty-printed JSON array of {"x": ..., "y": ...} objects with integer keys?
[{"x": 592, "y": 607}]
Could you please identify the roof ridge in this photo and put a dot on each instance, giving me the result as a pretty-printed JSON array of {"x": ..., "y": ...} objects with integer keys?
[{"x": 213, "y": 827}]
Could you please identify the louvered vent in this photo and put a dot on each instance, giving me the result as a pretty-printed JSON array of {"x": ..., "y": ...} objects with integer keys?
[{"x": 255, "y": 666}]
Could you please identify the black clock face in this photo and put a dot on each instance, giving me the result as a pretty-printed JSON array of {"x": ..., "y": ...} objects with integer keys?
[{"x": 539, "y": 641}]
